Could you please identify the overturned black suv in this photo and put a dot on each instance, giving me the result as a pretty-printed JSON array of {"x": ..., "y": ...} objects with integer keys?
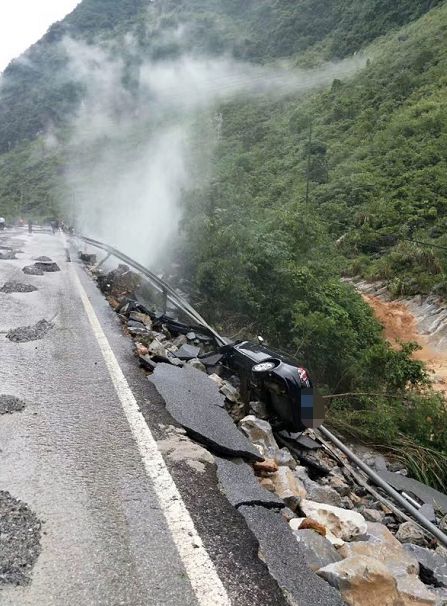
[{"x": 279, "y": 381}]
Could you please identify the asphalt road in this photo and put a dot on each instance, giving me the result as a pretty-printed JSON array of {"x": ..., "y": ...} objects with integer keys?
[{"x": 117, "y": 530}]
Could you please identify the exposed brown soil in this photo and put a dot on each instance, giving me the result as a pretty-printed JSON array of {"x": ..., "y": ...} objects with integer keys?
[{"x": 400, "y": 325}]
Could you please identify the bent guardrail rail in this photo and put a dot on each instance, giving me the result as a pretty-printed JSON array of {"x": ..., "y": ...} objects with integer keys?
[{"x": 169, "y": 294}]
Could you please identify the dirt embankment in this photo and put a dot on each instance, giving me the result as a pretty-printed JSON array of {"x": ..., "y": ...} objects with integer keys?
[{"x": 400, "y": 325}]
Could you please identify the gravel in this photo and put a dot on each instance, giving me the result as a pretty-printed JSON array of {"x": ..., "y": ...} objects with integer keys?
[
  {"x": 30, "y": 333},
  {"x": 32, "y": 270},
  {"x": 10, "y": 287},
  {"x": 9, "y": 404},
  {"x": 20, "y": 533}
]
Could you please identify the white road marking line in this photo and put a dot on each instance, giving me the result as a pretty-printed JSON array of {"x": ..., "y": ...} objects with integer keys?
[{"x": 201, "y": 571}]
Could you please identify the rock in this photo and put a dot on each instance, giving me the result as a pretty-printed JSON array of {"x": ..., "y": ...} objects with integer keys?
[
  {"x": 197, "y": 364},
  {"x": 343, "y": 523},
  {"x": 218, "y": 380},
  {"x": 410, "y": 533},
  {"x": 230, "y": 392},
  {"x": 259, "y": 409},
  {"x": 265, "y": 467},
  {"x": 32, "y": 270},
  {"x": 89, "y": 259},
  {"x": 318, "y": 551},
  {"x": 428, "y": 511},
  {"x": 443, "y": 524},
  {"x": 413, "y": 592},
  {"x": 346, "y": 503},
  {"x": 179, "y": 341},
  {"x": 260, "y": 434},
  {"x": 307, "y": 524},
  {"x": 142, "y": 350},
  {"x": 381, "y": 545},
  {"x": 147, "y": 363},
  {"x": 187, "y": 352},
  {"x": 284, "y": 458},
  {"x": 380, "y": 464},
  {"x": 158, "y": 349},
  {"x": 287, "y": 484},
  {"x": 137, "y": 316},
  {"x": 338, "y": 484},
  {"x": 195, "y": 402},
  {"x": 362, "y": 582},
  {"x": 321, "y": 494},
  {"x": 373, "y": 515},
  {"x": 239, "y": 484},
  {"x": 433, "y": 566},
  {"x": 47, "y": 266},
  {"x": 13, "y": 287},
  {"x": 191, "y": 336},
  {"x": 267, "y": 484},
  {"x": 285, "y": 559}
]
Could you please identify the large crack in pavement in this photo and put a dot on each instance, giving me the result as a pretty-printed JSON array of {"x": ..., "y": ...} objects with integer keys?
[{"x": 20, "y": 534}]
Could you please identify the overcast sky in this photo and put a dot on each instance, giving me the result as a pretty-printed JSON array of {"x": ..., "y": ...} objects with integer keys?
[{"x": 23, "y": 22}]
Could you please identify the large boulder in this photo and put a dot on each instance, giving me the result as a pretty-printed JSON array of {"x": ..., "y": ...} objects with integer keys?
[
  {"x": 287, "y": 485},
  {"x": 343, "y": 523},
  {"x": 260, "y": 434},
  {"x": 433, "y": 565},
  {"x": 318, "y": 551},
  {"x": 362, "y": 581},
  {"x": 381, "y": 545}
]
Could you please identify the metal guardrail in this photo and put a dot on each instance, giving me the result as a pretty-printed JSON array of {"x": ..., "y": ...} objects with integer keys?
[{"x": 168, "y": 293}]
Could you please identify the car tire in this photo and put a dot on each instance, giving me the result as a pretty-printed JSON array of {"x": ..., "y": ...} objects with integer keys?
[{"x": 264, "y": 367}]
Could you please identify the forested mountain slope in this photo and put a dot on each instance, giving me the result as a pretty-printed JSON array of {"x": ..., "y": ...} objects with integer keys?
[{"x": 299, "y": 189}]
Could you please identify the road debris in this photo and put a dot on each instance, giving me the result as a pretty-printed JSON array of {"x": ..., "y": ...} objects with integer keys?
[
  {"x": 309, "y": 509},
  {"x": 32, "y": 270},
  {"x": 13, "y": 287},
  {"x": 20, "y": 532},
  {"x": 10, "y": 404},
  {"x": 30, "y": 333}
]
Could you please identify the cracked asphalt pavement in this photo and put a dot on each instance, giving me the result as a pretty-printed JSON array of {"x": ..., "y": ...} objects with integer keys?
[{"x": 79, "y": 457}]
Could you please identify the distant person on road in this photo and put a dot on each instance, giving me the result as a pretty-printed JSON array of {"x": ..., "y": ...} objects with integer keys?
[
  {"x": 53, "y": 226},
  {"x": 30, "y": 226},
  {"x": 2, "y": 223}
]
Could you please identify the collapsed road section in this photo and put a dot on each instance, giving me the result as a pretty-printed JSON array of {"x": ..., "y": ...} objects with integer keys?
[{"x": 314, "y": 516}]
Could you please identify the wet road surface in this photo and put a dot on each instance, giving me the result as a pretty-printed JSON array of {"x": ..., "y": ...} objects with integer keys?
[
  {"x": 71, "y": 456},
  {"x": 116, "y": 528}
]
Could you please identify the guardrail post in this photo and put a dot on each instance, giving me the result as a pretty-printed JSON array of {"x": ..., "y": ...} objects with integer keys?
[{"x": 165, "y": 300}]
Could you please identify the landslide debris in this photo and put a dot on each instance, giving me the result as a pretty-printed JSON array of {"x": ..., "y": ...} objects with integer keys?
[
  {"x": 41, "y": 266},
  {"x": 20, "y": 534},
  {"x": 309, "y": 514},
  {"x": 12, "y": 287},
  {"x": 32, "y": 270},
  {"x": 10, "y": 404},
  {"x": 30, "y": 333}
]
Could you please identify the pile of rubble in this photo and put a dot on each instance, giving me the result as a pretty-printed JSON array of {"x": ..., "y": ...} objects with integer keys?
[
  {"x": 299, "y": 500},
  {"x": 347, "y": 533}
]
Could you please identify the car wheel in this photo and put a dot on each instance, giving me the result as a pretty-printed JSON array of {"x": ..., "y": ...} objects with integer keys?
[{"x": 266, "y": 366}]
